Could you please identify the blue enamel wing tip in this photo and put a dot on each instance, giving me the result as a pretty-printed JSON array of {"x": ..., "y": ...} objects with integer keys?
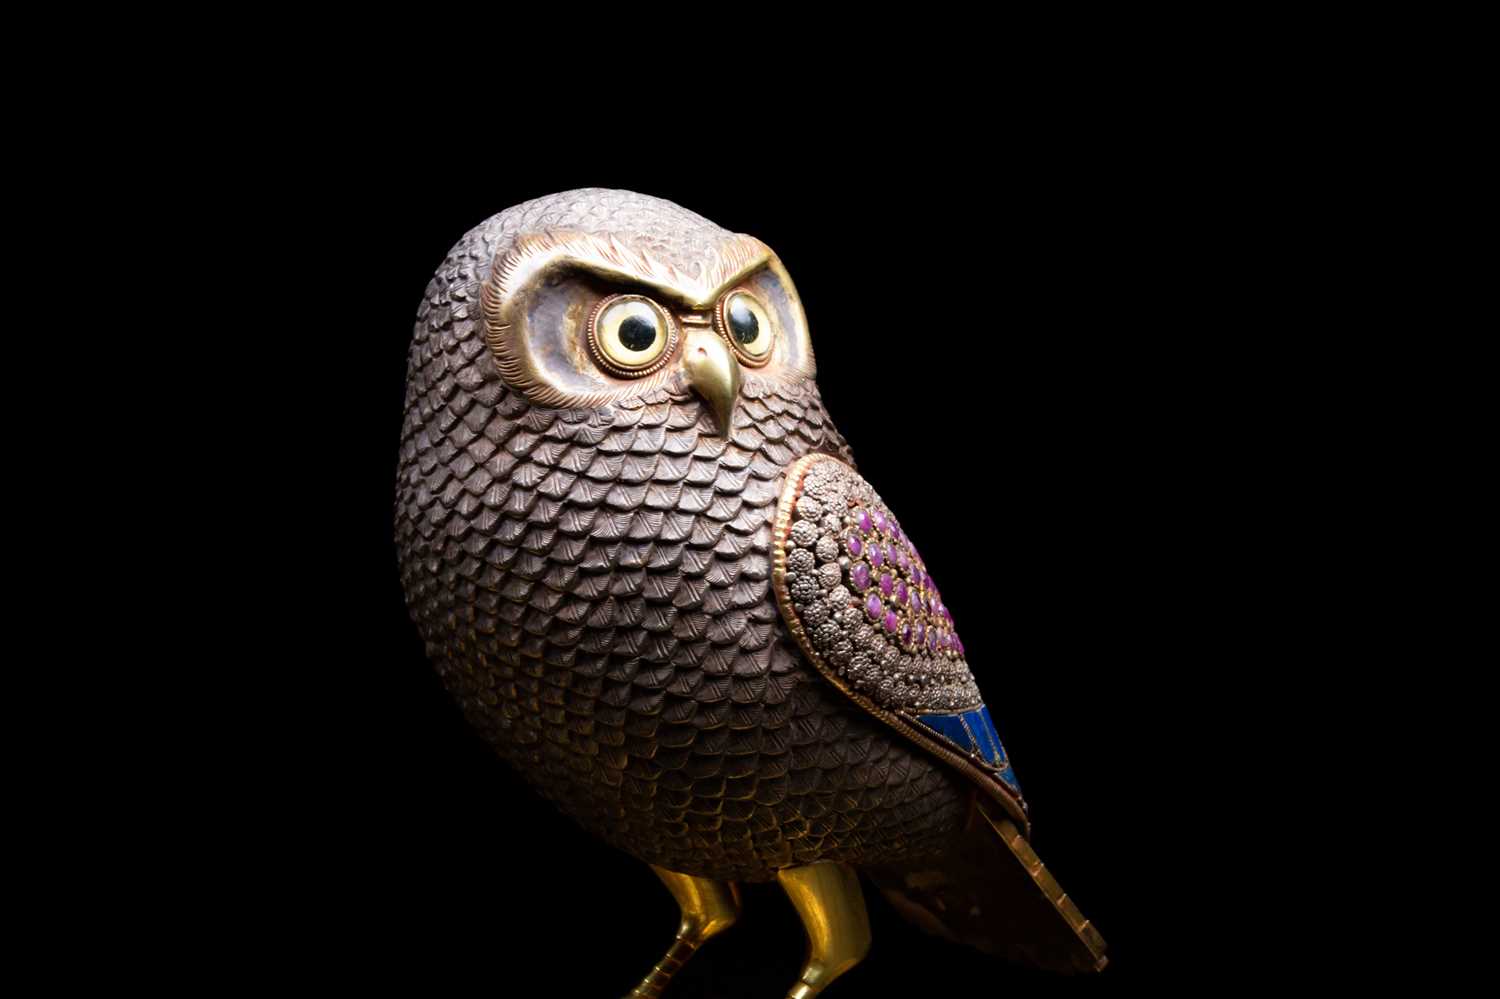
[{"x": 973, "y": 731}]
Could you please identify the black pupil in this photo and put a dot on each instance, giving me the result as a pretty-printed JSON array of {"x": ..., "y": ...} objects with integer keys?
[
  {"x": 637, "y": 333},
  {"x": 742, "y": 322}
]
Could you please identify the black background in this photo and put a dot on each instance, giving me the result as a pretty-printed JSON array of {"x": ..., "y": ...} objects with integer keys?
[{"x": 1042, "y": 362}]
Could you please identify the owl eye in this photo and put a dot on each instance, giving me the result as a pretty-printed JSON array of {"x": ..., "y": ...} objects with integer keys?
[
  {"x": 630, "y": 335},
  {"x": 744, "y": 323}
]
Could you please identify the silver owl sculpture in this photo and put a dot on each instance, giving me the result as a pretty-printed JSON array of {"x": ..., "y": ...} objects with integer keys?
[{"x": 641, "y": 558}]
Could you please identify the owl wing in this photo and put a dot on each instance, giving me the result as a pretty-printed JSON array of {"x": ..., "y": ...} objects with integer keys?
[{"x": 856, "y": 594}]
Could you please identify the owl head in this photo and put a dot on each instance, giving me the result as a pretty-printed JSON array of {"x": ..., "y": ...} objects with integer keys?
[{"x": 595, "y": 296}]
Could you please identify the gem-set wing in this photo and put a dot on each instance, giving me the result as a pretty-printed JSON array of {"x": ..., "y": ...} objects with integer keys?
[{"x": 857, "y": 595}]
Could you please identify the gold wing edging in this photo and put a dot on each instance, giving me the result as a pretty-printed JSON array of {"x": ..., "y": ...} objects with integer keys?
[{"x": 906, "y": 725}]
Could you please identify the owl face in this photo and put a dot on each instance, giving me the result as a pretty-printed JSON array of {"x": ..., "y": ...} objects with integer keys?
[{"x": 581, "y": 318}]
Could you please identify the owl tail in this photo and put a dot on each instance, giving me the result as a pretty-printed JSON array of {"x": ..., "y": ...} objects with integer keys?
[{"x": 990, "y": 891}]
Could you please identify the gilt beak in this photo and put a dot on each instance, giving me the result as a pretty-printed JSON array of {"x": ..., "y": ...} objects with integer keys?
[{"x": 714, "y": 374}]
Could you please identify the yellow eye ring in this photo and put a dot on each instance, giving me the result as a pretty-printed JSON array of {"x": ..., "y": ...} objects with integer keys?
[
  {"x": 630, "y": 335},
  {"x": 742, "y": 321}
]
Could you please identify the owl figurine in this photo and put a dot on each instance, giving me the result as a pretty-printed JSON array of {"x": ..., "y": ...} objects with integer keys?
[{"x": 641, "y": 558}]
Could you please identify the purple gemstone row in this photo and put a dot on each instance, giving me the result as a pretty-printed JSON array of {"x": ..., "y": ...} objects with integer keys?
[{"x": 901, "y": 596}]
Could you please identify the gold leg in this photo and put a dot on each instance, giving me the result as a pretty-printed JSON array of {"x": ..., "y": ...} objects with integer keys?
[
  {"x": 832, "y": 907},
  {"x": 708, "y": 909}
]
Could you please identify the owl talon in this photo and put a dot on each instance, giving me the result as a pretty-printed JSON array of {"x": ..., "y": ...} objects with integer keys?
[
  {"x": 828, "y": 899},
  {"x": 708, "y": 909}
]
